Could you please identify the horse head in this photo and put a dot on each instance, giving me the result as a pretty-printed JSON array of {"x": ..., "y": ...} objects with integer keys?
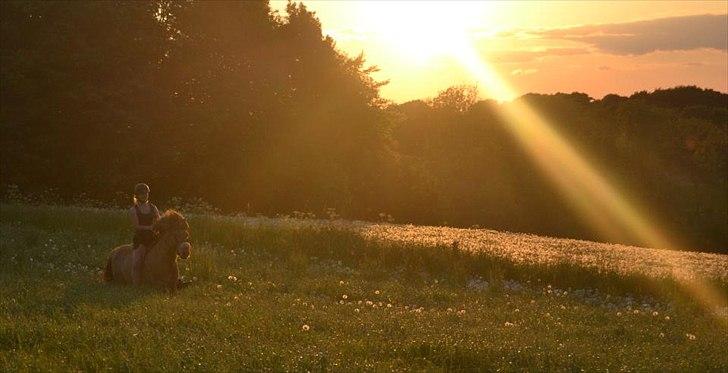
[{"x": 173, "y": 226}]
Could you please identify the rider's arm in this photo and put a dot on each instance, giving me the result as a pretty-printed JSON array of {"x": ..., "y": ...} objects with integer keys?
[{"x": 157, "y": 215}]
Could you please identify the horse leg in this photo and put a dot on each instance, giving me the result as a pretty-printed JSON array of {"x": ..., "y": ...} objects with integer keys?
[
  {"x": 166, "y": 285},
  {"x": 171, "y": 283},
  {"x": 137, "y": 264}
]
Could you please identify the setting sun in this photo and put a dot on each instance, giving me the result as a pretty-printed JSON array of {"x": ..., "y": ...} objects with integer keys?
[
  {"x": 422, "y": 32},
  {"x": 559, "y": 46}
]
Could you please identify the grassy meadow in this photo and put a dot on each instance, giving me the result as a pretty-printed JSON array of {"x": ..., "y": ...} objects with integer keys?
[{"x": 313, "y": 295}]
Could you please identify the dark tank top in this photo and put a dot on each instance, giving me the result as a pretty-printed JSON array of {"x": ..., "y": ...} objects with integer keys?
[{"x": 145, "y": 219}]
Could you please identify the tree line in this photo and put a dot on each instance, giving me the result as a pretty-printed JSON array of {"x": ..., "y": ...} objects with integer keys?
[{"x": 259, "y": 112}]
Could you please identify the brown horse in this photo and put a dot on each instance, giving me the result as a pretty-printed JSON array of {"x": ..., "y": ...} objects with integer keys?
[{"x": 160, "y": 263}]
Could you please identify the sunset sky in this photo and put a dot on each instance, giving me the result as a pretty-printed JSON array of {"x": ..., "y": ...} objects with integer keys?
[{"x": 545, "y": 47}]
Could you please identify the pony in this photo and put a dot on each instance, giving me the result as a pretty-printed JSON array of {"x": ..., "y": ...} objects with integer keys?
[{"x": 160, "y": 264}]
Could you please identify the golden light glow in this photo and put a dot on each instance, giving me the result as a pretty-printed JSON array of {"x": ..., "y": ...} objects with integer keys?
[
  {"x": 418, "y": 32},
  {"x": 408, "y": 41},
  {"x": 605, "y": 207},
  {"x": 424, "y": 47}
]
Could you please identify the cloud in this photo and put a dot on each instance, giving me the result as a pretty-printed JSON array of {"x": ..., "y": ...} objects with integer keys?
[
  {"x": 522, "y": 56},
  {"x": 521, "y": 72},
  {"x": 662, "y": 34}
]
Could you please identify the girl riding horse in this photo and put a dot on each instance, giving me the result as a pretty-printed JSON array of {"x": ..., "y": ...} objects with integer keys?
[{"x": 143, "y": 216}]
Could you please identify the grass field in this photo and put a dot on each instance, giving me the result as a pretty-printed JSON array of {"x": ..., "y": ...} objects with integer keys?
[{"x": 311, "y": 295}]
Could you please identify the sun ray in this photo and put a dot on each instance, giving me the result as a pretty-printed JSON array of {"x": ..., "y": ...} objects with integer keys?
[{"x": 591, "y": 194}]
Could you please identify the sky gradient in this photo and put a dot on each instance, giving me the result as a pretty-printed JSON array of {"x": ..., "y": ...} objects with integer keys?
[{"x": 544, "y": 47}]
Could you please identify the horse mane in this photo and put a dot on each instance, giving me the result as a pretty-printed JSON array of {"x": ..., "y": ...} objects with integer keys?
[{"x": 171, "y": 219}]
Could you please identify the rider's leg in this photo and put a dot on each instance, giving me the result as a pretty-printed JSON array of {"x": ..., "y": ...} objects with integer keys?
[{"x": 137, "y": 261}]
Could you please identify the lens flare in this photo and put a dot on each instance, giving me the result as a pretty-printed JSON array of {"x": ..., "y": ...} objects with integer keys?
[
  {"x": 605, "y": 207},
  {"x": 592, "y": 195}
]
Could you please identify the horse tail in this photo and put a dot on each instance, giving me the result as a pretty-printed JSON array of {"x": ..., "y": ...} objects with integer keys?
[{"x": 108, "y": 272}]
